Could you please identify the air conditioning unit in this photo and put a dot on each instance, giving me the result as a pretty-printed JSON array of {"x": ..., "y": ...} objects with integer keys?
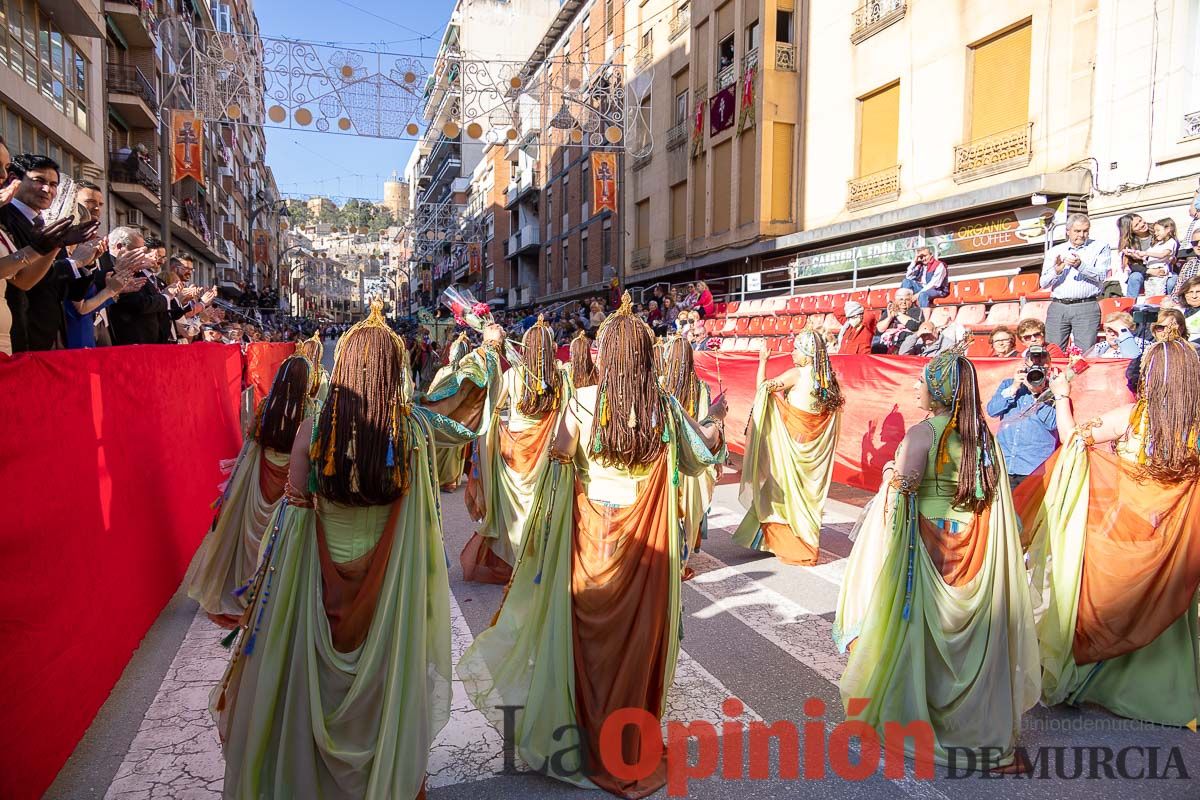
[{"x": 135, "y": 218}]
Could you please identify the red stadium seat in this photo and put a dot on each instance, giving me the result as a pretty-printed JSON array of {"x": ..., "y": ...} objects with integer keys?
[
  {"x": 755, "y": 328},
  {"x": 996, "y": 290},
  {"x": 980, "y": 348},
  {"x": 808, "y": 304},
  {"x": 1025, "y": 286},
  {"x": 798, "y": 323},
  {"x": 970, "y": 291},
  {"x": 825, "y": 303},
  {"x": 1153, "y": 300},
  {"x": 970, "y": 315},
  {"x": 787, "y": 344},
  {"x": 720, "y": 308},
  {"x": 1111, "y": 305},
  {"x": 941, "y": 316},
  {"x": 732, "y": 308},
  {"x": 877, "y": 298},
  {"x": 1001, "y": 314},
  {"x": 743, "y": 325},
  {"x": 1035, "y": 310},
  {"x": 795, "y": 305}
]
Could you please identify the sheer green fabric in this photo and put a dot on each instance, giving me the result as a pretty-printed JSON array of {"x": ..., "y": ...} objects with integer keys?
[
  {"x": 962, "y": 658},
  {"x": 299, "y": 717},
  {"x": 228, "y": 556},
  {"x": 1159, "y": 682},
  {"x": 526, "y": 657}
]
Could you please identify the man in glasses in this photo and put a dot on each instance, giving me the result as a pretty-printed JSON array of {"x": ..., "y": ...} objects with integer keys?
[
  {"x": 1074, "y": 272},
  {"x": 1032, "y": 333},
  {"x": 1004, "y": 342}
]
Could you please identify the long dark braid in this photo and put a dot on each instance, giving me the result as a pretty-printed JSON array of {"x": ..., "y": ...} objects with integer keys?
[
  {"x": 282, "y": 411},
  {"x": 583, "y": 368},
  {"x": 363, "y": 444},
  {"x": 542, "y": 382},
  {"x": 630, "y": 411},
  {"x": 1167, "y": 414},
  {"x": 977, "y": 471}
]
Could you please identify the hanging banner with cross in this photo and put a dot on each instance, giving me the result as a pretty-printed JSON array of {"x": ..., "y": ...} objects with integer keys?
[
  {"x": 186, "y": 155},
  {"x": 604, "y": 181}
]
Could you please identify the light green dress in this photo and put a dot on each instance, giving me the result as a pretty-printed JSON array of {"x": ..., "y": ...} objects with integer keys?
[
  {"x": 299, "y": 718},
  {"x": 480, "y": 367},
  {"x": 962, "y": 658}
]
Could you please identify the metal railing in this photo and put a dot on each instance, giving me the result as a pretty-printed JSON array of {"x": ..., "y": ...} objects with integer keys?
[
  {"x": 677, "y": 136},
  {"x": 878, "y": 187},
  {"x": 643, "y": 57},
  {"x": 875, "y": 16},
  {"x": 750, "y": 60},
  {"x": 676, "y": 246},
  {"x": 1003, "y": 151},
  {"x": 1191, "y": 125},
  {"x": 641, "y": 258},
  {"x": 726, "y": 77},
  {"x": 785, "y": 57},
  {"x": 681, "y": 22},
  {"x": 130, "y": 168},
  {"x": 128, "y": 79}
]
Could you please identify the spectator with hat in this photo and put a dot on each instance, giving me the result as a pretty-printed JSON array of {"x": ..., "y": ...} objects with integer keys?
[{"x": 858, "y": 331}]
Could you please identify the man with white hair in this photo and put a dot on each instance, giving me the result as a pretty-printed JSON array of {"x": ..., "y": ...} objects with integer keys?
[
  {"x": 1074, "y": 272},
  {"x": 899, "y": 321},
  {"x": 134, "y": 317}
]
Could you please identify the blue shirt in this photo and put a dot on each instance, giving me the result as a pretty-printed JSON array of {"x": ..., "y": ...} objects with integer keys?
[
  {"x": 80, "y": 327},
  {"x": 1083, "y": 282},
  {"x": 1026, "y": 440}
]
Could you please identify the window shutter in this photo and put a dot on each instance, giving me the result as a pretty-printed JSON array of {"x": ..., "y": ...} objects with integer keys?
[
  {"x": 781, "y": 172},
  {"x": 879, "y": 130},
  {"x": 1000, "y": 83}
]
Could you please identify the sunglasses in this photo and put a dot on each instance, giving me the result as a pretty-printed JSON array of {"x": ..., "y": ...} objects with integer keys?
[
  {"x": 1029, "y": 337},
  {"x": 1159, "y": 326}
]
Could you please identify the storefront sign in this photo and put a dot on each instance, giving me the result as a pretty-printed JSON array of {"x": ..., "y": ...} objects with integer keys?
[
  {"x": 1016, "y": 228},
  {"x": 879, "y": 253}
]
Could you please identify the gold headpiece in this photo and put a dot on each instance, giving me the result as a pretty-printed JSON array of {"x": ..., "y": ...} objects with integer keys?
[
  {"x": 625, "y": 310},
  {"x": 375, "y": 319},
  {"x": 312, "y": 347}
]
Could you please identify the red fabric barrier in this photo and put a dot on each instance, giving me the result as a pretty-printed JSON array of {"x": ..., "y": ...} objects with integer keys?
[
  {"x": 881, "y": 400},
  {"x": 262, "y": 362},
  {"x": 109, "y": 465}
]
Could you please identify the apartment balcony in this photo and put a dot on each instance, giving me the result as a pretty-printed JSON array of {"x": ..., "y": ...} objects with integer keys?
[
  {"x": 785, "y": 57},
  {"x": 878, "y": 187},
  {"x": 1191, "y": 125},
  {"x": 1011, "y": 149},
  {"x": 189, "y": 228},
  {"x": 680, "y": 23},
  {"x": 872, "y": 17},
  {"x": 134, "y": 181},
  {"x": 134, "y": 20},
  {"x": 726, "y": 77},
  {"x": 529, "y": 237},
  {"x": 641, "y": 258},
  {"x": 444, "y": 147},
  {"x": 750, "y": 61},
  {"x": 642, "y": 161},
  {"x": 131, "y": 95},
  {"x": 676, "y": 248},
  {"x": 643, "y": 57},
  {"x": 526, "y": 182},
  {"x": 677, "y": 136}
]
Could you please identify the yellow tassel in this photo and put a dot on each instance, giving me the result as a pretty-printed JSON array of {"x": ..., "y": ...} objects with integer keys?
[{"x": 632, "y": 421}]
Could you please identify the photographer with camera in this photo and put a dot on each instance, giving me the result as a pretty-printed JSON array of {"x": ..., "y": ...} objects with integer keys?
[{"x": 1028, "y": 426}]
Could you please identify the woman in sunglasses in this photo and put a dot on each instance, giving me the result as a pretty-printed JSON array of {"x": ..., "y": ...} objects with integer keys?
[
  {"x": 1118, "y": 339},
  {"x": 1189, "y": 298},
  {"x": 1032, "y": 333},
  {"x": 1120, "y": 599}
]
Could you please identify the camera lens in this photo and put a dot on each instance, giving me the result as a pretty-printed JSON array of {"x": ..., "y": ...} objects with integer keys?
[{"x": 1035, "y": 375}]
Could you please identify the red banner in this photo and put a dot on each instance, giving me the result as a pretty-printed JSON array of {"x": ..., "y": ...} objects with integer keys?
[
  {"x": 187, "y": 154},
  {"x": 722, "y": 110},
  {"x": 881, "y": 401},
  {"x": 698, "y": 129},
  {"x": 108, "y": 498},
  {"x": 262, "y": 362},
  {"x": 474, "y": 258},
  {"x": 604, "y": 181},
  {"x": 262, "y": 247}
]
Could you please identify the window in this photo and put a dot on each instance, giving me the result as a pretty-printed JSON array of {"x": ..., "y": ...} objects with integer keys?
[
  {"x": 489, "y": 224},
  {"x": 583, "y": 259},
  {"x": 37, "y": 50},
  {"x": 608, "y": 17},
  {"x": 679, "y": 209},
  {"x": 648, "y": 39},
  {"x": 549, "y": 211},
  {"x": 221, "y": 18},
  {"x": 752, "y": 37},
  {"x": 606, "y": 243},
  {"x": 565, "y": 261},
  {"x": 566, "y": 210},
  {"x": 1000, "y": 83},
  {"x": 781, "y": 172},
  {"x": 642, "y": 226},
  {"x": 725, "y": 53},
  {"x": 878, "y": 130},
  {"x": 783, "y": 27}
]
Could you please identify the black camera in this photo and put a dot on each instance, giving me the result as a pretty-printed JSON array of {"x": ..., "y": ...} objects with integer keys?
[{"x": 1037, "y": 360}]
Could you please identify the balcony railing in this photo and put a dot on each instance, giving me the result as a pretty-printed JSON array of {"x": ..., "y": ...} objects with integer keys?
[
  {"x": 128, "y": 79},
  {"x": 785, "y": 57},
  {"x": 750, "y": 61},
  {"x": 1191, "y": 125},
  {"x": 639, "y": 162},
  {"x": 641, "y": 258},
  {"x": 878, "y": 187},
  {"x": 643, "y": 57},
  {"x": 999, "y": 153},
  {"x": 129, "y": 168},
  {"x": 680, "y": 23},
  {"x": 874, "y": 16},
  {"x": 676, "y": 247},
  {"x": 677, "y": 136},
  {"x": 726, "y": 77}
]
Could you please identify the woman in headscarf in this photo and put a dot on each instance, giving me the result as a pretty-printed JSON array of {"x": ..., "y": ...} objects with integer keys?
[
  {"x": 790, "y": 444},
  {"x": 341, "y": 677},
  {"x": 514, "y": 455},
  {"x": 228, "y": 556},
  {"x": 590, "y": 623},
  {"x": 679, "y": 380},
  {"x": 934, "y": 605},
  {"x": 1116, "y": 550}
]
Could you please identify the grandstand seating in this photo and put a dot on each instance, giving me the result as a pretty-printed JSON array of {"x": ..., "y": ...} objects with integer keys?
[{"x": 979, "y": 305}]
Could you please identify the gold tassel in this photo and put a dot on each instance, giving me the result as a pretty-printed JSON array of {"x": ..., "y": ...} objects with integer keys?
[
  {"x": 632, "y": 421},
  {"x": 350, "y": 449}
]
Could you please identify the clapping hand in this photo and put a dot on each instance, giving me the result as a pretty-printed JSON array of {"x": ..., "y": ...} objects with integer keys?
[
  {"x": 133, "y": 260},
  {"x": 7, "y": 193},
  {"x": 80, "y": 233},
  {"x": 85, "y": 255},
  {"x": 114, "y": 283},
  {"x": 208, "y": 297},
  {"x": 60, "y": 233}
]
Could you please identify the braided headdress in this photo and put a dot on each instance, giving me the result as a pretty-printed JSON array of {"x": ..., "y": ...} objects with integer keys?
[
  {"x": 583, "y": 368},
  {"x": 364, "y": 433},
  {"x": 285, "y": 406},
  {"x": 540, "y": 378},
  {"x": 314, "y": 350},
  {"x": 826, "y": 389},
  {"x": 679, "y": 373},
  {"x": 1166, "y": 417},
  {"x": 953, "y": 384}
]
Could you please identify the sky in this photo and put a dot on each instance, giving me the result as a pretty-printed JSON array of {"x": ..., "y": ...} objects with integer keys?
[{"x": 308, "y": 162}]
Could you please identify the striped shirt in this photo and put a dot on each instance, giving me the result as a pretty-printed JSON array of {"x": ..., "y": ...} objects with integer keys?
[{"x": 1077, "y": 283}]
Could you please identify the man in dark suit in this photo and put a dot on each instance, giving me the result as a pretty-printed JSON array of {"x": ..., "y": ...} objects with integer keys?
[
  {"x": 134, "y": 317},
  {"x": 37, "y": 312}
]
